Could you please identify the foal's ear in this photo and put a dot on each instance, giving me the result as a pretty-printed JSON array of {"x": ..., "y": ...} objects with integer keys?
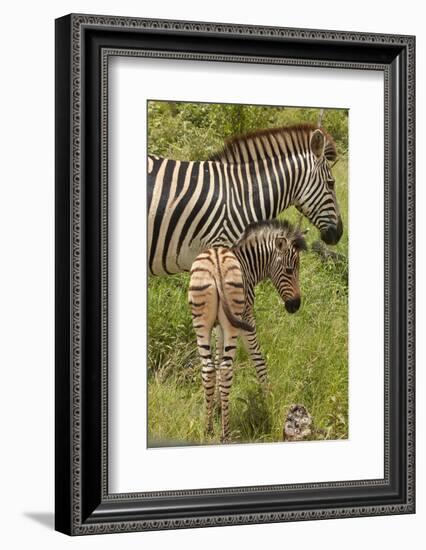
[
  {"x": 299, "y": 242},
  {"x": 318, "y": 143},
  {"x": 281, "y": 243}
]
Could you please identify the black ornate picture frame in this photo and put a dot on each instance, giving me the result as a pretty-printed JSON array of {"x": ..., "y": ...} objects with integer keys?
[{"x": 84, "y": 43}]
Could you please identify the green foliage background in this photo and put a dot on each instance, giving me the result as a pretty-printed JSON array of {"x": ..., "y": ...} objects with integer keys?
[
  {"x": 194, "y": 131},
  {"x": 306, "y": 353}
]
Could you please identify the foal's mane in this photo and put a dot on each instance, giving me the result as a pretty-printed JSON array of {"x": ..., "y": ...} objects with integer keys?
[
  {"x": 281, "y": 228},
  {"x": 272, "y": 143}
]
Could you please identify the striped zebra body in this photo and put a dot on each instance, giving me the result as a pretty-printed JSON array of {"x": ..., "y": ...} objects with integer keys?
[
  {"x": 195, "y": 205},
  {"x": 221, "y": 292}
]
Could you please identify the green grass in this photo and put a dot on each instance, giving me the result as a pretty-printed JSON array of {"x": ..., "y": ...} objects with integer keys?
[{"x": 306, "y": 354}]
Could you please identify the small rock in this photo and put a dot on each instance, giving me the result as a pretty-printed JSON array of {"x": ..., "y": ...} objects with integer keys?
[{"x": 298, "y": 424}]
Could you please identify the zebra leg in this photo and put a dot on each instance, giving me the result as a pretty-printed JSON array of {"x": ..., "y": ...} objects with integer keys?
[
  {"x": 225, "y": 379},
  {"x": 208, "y": 376},
  {"x": 208, "y": 372},
  {"x": 203, "y": 314},
  {"x": 202, "y": 297},
  {"x": 219, "y": 345},
  {"x": 218, "y": 358},
  {"x": 252, "y": 346}
]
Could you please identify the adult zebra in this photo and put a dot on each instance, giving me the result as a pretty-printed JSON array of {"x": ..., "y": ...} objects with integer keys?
[{"x": 194, "y": 205}]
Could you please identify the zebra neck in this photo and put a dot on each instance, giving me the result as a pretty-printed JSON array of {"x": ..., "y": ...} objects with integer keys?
[
  {"x": 266, "y": 187},
  {"x": 255, "y": 260}
]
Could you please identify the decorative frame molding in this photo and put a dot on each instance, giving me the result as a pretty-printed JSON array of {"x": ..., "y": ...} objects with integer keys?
[{"x": 84, "y": 43}]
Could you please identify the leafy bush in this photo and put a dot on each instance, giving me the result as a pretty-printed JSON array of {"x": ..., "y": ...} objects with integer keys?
[{"x": 194, "y": 131}]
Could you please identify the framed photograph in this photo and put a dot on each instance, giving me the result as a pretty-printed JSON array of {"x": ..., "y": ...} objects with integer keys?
[{"x": 234, "y": 274}]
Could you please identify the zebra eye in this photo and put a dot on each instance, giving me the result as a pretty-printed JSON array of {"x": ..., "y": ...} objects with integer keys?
[
  {"x": 330, "y": 183},
  {"x": 288, "y": 270}
]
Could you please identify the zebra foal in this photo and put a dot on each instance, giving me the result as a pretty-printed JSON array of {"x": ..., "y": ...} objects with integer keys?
[{"x": 221, "y": 291}]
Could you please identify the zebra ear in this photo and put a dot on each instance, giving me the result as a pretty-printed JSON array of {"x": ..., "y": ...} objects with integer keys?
[
  {"x": 318, "y": 143},
  {"x": 299, "y": 242},
  {"x": 281, "y": 243}
]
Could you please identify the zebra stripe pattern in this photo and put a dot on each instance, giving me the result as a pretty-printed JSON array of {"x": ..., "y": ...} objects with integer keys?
[
  {"x": 221, "y": 291},
  {"x": 196, "y": 205}
]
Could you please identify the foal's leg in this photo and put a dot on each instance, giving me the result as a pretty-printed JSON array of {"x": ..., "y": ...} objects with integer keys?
[
  {"x": 218, "y": 358},
  {"x": 225, "y": 376},
  {"x": 203, "y": 300},
  {"x": 219, "y": 345},
  {"x": 208, "y": 377},
  {"x": 252, "y": 346}
]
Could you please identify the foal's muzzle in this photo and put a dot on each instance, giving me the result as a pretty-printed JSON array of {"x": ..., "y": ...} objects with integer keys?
[{"x": 292, "y": 305}]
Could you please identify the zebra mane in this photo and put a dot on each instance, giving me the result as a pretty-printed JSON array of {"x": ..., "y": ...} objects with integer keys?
[
  {"x": 272, "y": 143},
  {"x": 281, "y": 228}
]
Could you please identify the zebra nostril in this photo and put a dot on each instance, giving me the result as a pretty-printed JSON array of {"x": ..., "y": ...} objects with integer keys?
[{"x": 292, "y": 305}]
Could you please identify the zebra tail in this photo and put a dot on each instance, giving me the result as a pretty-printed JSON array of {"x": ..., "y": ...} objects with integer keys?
[{"x": 235, "y": 322}]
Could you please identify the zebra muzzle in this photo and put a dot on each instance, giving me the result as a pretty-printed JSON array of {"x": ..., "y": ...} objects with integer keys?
[
  {"x": 292, "y": 305},
  {"x": 333, "y": 233}
]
